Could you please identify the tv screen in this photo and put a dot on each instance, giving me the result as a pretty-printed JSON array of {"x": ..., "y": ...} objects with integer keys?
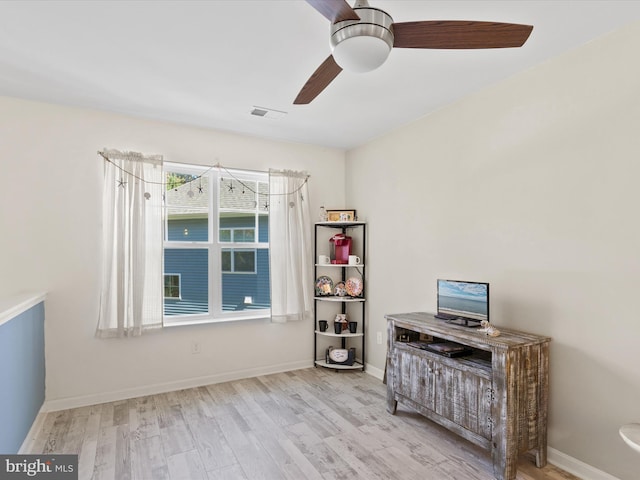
[{"x": 462, "y": 302}]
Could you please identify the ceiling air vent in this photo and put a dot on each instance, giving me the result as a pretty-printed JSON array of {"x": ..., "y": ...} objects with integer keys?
[
  {"x": 258, "y": 112},
  {"x": 267, "y": 112}
]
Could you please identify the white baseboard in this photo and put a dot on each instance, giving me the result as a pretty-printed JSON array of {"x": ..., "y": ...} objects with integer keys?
[
  {"x": 576, "y": 467},
  {"x": 374, "y": 371},
  {"x": 94, "y": 399},
  {"x": 36, "y": 426}
]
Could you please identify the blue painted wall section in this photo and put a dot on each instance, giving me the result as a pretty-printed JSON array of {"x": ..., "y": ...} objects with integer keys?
[{"x": 22, "y": 373}]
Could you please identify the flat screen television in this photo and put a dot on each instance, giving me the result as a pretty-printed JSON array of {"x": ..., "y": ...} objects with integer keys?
[{"x": 464, "y": 303}]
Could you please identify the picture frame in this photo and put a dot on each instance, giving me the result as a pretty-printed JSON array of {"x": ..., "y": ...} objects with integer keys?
[{"x": 341, "y": 215}]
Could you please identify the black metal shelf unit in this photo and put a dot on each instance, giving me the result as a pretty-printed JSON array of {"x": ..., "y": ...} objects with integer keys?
[{"x": 326, "y": 306}]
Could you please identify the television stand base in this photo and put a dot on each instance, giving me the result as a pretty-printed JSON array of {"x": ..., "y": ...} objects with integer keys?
[{"x": 464, "y": 322}]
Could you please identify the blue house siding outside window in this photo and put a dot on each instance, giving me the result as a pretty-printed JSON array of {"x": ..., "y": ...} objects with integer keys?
[
  {"x": 187, "y": 230},
  {"x": 193, "y": 267},
  {"x": 239, "y": 288},
  {"x": 241, "y": 225}
]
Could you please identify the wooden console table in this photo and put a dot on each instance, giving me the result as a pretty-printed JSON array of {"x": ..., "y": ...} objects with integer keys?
[{"x": 495, "y": 397}]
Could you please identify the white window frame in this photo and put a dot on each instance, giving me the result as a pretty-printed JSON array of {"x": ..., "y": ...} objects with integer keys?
[{"x": 214, "y": 246}]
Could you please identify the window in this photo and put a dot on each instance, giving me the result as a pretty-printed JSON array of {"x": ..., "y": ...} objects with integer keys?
[
  {"x": 172, "y": 286},
  {"x": 238, "y": 261},
  {"x": 237, "y": 234},
  {"x": 216, "y": 244}
]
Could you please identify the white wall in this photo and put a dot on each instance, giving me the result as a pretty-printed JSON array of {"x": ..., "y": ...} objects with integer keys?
[
  {"x": 50, "y": 241},
  {"x": 531, "y": 185}
]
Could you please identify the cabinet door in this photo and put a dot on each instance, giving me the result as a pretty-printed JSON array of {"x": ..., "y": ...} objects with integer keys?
[
  {"x": 414, "y": 377},
  {"x": 464, "y": 398}
]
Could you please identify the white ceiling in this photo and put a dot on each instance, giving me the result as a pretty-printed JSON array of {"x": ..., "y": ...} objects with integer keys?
[{"x": 207, "y": 63}]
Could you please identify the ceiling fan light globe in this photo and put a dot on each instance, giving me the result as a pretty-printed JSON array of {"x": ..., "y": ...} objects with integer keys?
[
  {"x": 362, "y": 45},
  {"x": 361, "y": 54}
]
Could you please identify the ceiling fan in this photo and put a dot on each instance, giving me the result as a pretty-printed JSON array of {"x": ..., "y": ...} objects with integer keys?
[{"x": 363, "y": 36}]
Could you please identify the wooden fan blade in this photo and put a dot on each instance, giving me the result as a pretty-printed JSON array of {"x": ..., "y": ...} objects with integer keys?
[
  {"x": 459, "y": 34},
  {"x": 318, "y": 81},
  {"x": 334, "y": 10}
]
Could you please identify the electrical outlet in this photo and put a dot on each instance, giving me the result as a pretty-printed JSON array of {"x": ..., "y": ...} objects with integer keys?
[
  {"x": 379, "y": 338},
  {"x": 195, "y": 348}
]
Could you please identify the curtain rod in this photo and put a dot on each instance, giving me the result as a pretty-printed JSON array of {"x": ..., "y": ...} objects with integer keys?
[
  {"x": 302, "y": 175},
  {"x": 218, "y": 165}
]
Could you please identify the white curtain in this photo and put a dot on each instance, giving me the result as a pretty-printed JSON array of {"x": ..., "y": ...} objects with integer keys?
[
  {"x": 290, "y": 246},
  {"x": 131, "y": 299}
]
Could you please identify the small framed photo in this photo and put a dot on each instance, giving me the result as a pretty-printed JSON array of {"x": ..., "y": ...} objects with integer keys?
[{"x": 341, "y": 215}]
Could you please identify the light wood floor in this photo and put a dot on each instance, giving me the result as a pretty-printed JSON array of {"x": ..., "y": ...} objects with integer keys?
[{"x": 306, "y": 424}]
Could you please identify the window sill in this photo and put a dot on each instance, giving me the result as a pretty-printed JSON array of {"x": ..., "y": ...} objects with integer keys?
[{"x": 206, "y": 320}]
